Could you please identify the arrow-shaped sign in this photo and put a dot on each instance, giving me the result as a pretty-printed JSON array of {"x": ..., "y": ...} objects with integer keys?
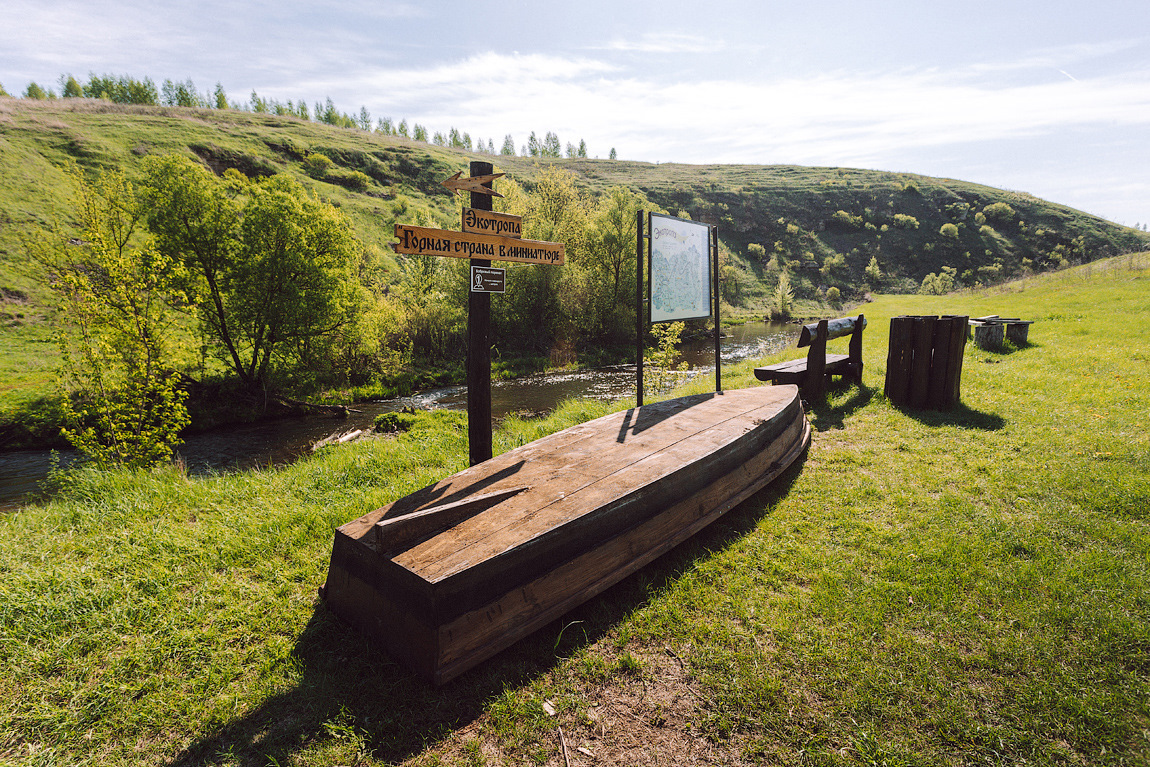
[{"x": 472, "y": 184}]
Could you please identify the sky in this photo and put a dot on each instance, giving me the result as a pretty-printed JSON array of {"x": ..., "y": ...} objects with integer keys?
[{"x": 1049, "y": 98}]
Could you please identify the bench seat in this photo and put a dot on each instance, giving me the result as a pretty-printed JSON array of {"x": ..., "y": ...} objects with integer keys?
[
  {"x": 814, "y": 372},
  {"x": 989, "y": 331},
  {"x": 793, "y": 371}
]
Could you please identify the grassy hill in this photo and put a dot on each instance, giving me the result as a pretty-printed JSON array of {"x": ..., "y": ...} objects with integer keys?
[
  {"x": 826, "y": 227},
  {"x": 806, "y": 215}
]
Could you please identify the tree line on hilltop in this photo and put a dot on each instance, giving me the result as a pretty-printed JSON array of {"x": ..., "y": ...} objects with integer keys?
[{"x": 124, "y": 89}]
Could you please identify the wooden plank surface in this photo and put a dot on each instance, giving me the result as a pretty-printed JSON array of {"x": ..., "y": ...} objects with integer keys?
[
  {"x": 797, "y": 367},
  {"x": 479, "y": 634},
  {"x": 630, "y": 486},
  {"x": 563, "y": 463},
  {"x": 577, "y": 480}
]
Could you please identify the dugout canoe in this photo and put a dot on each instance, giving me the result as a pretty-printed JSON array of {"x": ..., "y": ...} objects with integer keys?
[{"x": 452, "y": 574}]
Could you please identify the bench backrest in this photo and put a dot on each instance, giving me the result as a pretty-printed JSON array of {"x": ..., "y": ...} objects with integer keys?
[{"x": 843, "y": 326}]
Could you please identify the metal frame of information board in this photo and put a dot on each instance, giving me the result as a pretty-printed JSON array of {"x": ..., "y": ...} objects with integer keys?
[{"x": 643, "y": 231}]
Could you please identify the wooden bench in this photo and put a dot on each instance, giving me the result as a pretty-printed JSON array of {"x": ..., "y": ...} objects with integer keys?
[
  {"x": 814, "y": 373},
  {"x": 989, "y": 331}
]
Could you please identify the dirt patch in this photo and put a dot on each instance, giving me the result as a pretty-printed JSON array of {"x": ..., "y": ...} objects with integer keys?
[
  {"x": 646, "y": 718},
  {"x": 13, "y": 296}
]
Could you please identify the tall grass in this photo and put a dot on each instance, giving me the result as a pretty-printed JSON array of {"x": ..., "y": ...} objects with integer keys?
[{"x": 923, "y": 588}]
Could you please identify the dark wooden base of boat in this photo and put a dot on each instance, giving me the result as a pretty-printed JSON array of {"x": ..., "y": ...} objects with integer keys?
[{"x": 441, "y": 636}]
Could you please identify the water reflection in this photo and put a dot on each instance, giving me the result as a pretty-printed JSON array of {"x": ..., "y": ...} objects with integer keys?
[{"x": 278, "y": 442}]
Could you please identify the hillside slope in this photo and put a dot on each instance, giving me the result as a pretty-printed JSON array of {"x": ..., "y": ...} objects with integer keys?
[{"x": 824, "y": 224}]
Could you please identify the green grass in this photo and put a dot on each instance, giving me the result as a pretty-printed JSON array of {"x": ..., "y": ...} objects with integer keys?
[{"x": 967, "y": 587}]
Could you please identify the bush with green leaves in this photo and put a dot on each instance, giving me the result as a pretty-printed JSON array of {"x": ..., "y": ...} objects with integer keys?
[
  {"x": 1000, "y": 212},
  {"x": 318, "y": 165},
  {"x": 845, "y": 220},
  {"x": 118, "y": 295},
  {"x": 34, "y": 91},
  {"x": 938, "y": 284},
  {"x": 663, "y": 369},
  {"x": 354, "y": 180},
  {"x": 873, "y": 272}
]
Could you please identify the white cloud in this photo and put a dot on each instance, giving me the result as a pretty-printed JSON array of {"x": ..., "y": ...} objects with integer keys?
[
  {"x": 665, "y": 42},
  {"x": 835, "y": 118}
]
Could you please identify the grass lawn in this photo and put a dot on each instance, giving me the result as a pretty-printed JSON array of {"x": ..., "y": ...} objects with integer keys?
[{"x": 968, "y": 587}]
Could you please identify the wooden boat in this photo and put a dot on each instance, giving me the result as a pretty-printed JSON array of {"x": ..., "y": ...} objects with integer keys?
[{"x": 454, "y": 573}]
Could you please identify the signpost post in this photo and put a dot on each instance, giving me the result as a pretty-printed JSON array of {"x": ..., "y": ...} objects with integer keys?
[
  {"x": 485, "y": 236},
  {"x": 478, "y": 345}
]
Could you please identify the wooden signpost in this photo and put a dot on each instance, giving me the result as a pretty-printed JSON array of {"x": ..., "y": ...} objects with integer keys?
[{"x": 486, "y": 236}]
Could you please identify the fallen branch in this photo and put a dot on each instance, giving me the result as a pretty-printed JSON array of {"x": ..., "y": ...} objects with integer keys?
[{"x": 342, "y": 410}]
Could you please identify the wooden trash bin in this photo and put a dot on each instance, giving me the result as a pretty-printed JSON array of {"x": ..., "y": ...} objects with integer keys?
[{"x": 924, "y": 361}]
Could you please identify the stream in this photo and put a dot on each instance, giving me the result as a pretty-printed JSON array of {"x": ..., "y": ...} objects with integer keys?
[{"x": 271, "y": 443}]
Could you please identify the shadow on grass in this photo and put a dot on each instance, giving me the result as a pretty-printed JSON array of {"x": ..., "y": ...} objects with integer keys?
[
  {"x": 1004, "y": 349},
  {"x": 960, "y": 415},
  {"x": 350, "y": 688},
  {"x": 825, "y": 416}
]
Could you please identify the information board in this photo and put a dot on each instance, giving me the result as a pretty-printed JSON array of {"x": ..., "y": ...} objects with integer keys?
[{"x": 680, "y": 276}]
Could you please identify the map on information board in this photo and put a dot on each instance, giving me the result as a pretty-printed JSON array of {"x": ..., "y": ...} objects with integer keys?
[{"x": 680, "y": 269}]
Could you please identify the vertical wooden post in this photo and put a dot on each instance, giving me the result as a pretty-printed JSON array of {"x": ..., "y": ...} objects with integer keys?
[
  {"x": 939, "y": 387},
  {"x": 898, "y": 360},
  {"x": 854, "y": 349},
  {"x": 816, "y": 385},
  {"x": 922, "y": 345},
  {"x": 954, "y": 364},
  {"x": 479, "y": 347},
  {"x": 640, "y": 327},
  {"x": 718, "y": 334}
]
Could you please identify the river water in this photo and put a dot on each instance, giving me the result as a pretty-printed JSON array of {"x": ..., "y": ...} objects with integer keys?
[{"x": 22, "y": 472}]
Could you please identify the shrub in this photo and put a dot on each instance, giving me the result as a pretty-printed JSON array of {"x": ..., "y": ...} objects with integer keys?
[
  {"x": 784, "y": 298},
  {"x": 834, "y": 296},
  {"x": 351, "y": 179},
  {"x": 34, "y": 91},
  {"x": 846, "y": 220},
  {"x": 1000, "y": 212},
  {"x": 937, "y": 284},
  {"x": 318, "y": 165},
  {"x": 949, "y": 231},
  {"x": 903, "y": 221},
  {"x": 393, "y": 422}
]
